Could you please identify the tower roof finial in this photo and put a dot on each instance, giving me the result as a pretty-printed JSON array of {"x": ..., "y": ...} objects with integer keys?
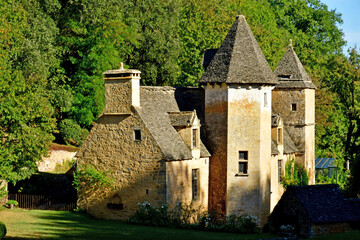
[
  {"x": 290, "y": 43},
  {"x": 121, "y": 65},
  {"x": 239, "y": 7}
]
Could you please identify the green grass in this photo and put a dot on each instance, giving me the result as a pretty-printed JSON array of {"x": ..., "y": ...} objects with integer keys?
[
  {"x": 36, "y": 224},
  {"x": 353, "y": 235}
]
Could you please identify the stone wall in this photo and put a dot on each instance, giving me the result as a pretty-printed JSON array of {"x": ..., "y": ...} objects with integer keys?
[
  {"x": 249, "y": 130},
  {"x": 327, "y": 228},
  {"x": 216, "y": 141},
  {"x": 48, "y": 164},
  {"x": 300, "y": 124},
  {"x": 137, "y": 167},
  {"x": 179, "y": 182},
  {"x": 118, "y": 96}
]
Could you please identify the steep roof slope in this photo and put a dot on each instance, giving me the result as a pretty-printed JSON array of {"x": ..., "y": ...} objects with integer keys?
[
  {"x": 156, "y": 104},
  {"x": 291, "y": 72},
  {"x": 239, "y": 59}
]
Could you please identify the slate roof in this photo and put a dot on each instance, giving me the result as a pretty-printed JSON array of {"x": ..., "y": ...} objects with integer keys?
[
  {"x": 179, "y": 119},
  {"x": 289, "y": 145},
  {"x": 239, "y": 59},
  {"x": 274, "y": 150},
  {"x": 156, "y": 103},
  {"x": 291, "y": 73},
  {"x": 323, "y": 203}
]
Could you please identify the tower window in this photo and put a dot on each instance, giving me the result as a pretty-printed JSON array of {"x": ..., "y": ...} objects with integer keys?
[
  {"x": 243, "y": 163},
  {"x": 294, "y": 107},
  {"x": 195, "y": 184},
  {"x": 137, "y": 134}
]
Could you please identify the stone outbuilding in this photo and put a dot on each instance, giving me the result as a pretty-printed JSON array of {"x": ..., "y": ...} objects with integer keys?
[
  {"x": 315, "y": 210},
  {"x": 152, "y": 148}
]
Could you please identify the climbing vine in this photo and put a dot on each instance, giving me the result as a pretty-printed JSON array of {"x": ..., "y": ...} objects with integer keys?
[
  {"x": 295, "y": 174},
  {"x": 90, "y": 177}
]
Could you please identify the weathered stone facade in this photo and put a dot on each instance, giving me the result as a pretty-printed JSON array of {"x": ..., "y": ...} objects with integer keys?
[
  {"x": 137, "y": 166},
  {"x": 149, "y": 148}
]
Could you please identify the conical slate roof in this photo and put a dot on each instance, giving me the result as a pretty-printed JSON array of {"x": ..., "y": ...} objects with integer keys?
[
  {"x": 291, "y": 72},
  {"x": 239, "y": 59}
]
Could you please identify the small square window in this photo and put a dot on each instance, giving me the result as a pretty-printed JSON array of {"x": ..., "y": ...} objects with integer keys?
[
  {"x": 243, "y": 155},
  {"x": 137, "y": 134},
  {"x": 293, "y": 106},
  {"x": 243, "y": 167}
]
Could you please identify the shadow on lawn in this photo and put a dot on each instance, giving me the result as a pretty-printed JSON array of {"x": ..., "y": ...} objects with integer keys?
[{"x": 66, "y": 225}]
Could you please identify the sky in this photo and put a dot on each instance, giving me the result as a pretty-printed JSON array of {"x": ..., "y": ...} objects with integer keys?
[{"x": 350, "y": 10}]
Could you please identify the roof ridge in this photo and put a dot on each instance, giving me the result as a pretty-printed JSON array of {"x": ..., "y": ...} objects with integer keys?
[{"x": 239, "y": 59}]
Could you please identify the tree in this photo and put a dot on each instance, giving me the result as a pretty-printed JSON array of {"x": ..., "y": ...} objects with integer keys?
[
  {"x": 343, "y": 78},
  {"x": 26, "y": 124},
  {"x": 93, "y": 39},
  {"x": 155, "y": 54}
]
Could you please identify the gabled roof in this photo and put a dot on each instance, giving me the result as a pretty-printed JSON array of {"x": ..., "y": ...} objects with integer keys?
[
  {"x": 291, "y": 73},
  {"x": 239, "y": 59},
  {"x": 156, "y": 103},
  {"x": 323, "y": 203}
]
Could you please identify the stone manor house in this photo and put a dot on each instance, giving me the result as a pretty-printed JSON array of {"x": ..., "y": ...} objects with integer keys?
[{"x": 222, "y": 146}]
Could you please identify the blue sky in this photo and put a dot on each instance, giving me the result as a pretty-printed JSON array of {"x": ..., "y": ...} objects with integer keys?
[{"x": 350, "y": 10}]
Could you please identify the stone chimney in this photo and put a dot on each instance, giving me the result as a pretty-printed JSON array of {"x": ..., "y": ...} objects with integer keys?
[{"x": 122, "y": 90}]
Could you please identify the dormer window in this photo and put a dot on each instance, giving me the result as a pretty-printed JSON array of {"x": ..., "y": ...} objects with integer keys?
[
  {"x": 265, "y": 100},
  {"x": 280, "y": 136},
  {"x": 195, "y": 133}
]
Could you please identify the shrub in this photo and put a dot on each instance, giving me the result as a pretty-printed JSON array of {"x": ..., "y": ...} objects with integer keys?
[
  {"x": 295, "y": 174},
  {"x": 90, "y": 177},
  {"x": 184, "y": 216},
  {"x": 14, "y": 202},
  {"x": 2, "y": 230},
  {"x": 72, "y": 133}
]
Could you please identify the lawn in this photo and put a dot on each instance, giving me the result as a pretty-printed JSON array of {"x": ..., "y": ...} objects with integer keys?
[{"x": 38, "y": 224}]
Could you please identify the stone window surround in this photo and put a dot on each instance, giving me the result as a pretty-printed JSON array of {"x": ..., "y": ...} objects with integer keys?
[{"x": 243, "y": 161}]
